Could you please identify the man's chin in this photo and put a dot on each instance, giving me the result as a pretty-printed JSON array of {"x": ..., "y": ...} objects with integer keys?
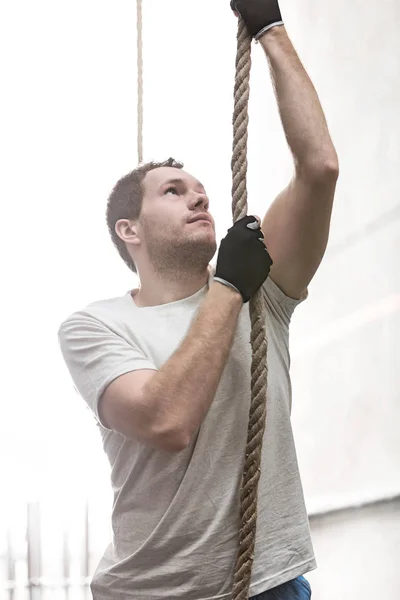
[
  {"x": 190, "y": 256},
  {"x": 199, "y": 255}
]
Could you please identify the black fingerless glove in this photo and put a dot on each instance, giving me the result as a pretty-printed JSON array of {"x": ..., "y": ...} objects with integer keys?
[
  {"x": 258, "y": 15},
  {"x": 243, "y": 260}
]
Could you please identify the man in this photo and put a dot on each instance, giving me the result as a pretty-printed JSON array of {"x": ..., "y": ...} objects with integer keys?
[{"x": 166, "y": 368}]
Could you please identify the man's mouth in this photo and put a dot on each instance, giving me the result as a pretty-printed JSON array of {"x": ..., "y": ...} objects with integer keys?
[{"x": 201, "y": 217}]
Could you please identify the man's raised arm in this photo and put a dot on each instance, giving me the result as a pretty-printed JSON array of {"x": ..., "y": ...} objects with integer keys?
[{"x": 296, "y": 226}]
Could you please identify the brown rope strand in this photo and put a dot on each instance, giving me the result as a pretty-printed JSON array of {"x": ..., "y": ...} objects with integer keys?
[
  {"x": 259, "y": 372},
  {"x": 240, "y": 123}
]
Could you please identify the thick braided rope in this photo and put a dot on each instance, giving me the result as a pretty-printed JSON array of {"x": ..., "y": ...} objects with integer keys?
[
  {"x": 139, "y": 22},
  {"x": 259, "y": 374}
]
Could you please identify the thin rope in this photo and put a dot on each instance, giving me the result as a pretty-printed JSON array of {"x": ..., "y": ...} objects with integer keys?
[
  {"x": 139, "y": 21},
  {"x": 259, "y": 371}
]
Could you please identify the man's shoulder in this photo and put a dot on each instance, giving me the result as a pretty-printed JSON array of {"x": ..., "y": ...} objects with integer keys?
[
  {"x": 103, "y": 310},
  {"x": 273, "y": 289},
  {"x": 280, "y": 307}
]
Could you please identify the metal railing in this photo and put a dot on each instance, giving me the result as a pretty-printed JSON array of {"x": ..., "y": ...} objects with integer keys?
[{"x": 65, "y": 573}]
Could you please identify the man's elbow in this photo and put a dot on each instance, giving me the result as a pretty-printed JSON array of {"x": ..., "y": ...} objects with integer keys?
[
  {"x": 321, "y": 169},
  {"x": 324, "y": 168},
  {"x": 330, "y": 167},
  {"x": 175, "y": 443},
  {"x": 164, "y": 437},
  {"x": 170, "y": 440}
]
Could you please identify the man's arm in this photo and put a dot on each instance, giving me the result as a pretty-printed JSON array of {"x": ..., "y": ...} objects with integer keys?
[
  {"x": 296, "y": 226},
  {"x": 165, "y": 408}
]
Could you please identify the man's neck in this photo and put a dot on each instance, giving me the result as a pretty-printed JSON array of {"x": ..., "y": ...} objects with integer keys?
[{"x": 156, "y": 291}]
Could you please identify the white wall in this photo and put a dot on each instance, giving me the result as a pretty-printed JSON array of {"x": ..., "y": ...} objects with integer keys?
[
  {"x": 346, "y": 362},
  {"x": 357, "y": 554}
]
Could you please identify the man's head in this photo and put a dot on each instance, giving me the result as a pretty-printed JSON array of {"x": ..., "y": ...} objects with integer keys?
[{"x": 153, "y": 218}]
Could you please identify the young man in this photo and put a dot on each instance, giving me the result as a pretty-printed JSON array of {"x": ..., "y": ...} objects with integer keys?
[{"x": 166, "y": 367}]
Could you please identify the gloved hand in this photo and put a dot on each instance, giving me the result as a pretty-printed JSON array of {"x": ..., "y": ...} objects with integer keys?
[
  {"x": 243, "y": 260},
  {"x": 258, "y": 15}
]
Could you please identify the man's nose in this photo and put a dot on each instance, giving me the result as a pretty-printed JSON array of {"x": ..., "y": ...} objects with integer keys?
[{"x": 199, "y": 201}]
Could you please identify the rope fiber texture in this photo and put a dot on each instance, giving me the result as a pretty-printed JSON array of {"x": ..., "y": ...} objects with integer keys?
[{"x": 259, "y": 371}]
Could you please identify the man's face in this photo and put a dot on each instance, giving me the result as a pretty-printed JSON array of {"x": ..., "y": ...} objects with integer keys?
[{"x": 175, "y": 226}]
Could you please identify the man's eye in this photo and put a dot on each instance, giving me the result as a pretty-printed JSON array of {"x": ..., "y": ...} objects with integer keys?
[{"x": 171, "y": 190}]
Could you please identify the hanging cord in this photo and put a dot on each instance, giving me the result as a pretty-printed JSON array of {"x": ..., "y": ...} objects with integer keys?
[
  {"x": 139, "y": 21},
  {"x": 259, "y": 372}
]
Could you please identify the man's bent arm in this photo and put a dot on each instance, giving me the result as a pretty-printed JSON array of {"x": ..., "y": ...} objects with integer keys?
[
  {"x": 179, "y": 395},
  {"x": 296, "y": 226}
]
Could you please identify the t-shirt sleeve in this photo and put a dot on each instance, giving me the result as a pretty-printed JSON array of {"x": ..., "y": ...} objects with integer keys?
[
  {"x": 278, "y": 303},
  {"x": 95, "y": 356}
]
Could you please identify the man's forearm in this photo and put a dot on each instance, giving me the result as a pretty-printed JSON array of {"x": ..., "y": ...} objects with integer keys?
[
  {"x": 301, "y": 113},
  {"x": 181, "y": 392}
]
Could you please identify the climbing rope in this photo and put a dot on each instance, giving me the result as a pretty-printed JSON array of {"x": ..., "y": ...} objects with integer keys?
[
  {"x": 259, "y": 372},
  {"x": 139, "y": 37}
]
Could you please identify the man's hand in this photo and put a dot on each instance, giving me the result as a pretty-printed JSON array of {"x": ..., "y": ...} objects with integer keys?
[
  {"x": 243, "y": 259},
  {"x": 258, "y": 15}
]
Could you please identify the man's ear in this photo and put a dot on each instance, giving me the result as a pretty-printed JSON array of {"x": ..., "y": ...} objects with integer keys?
[{"x": 128, "y": 231}]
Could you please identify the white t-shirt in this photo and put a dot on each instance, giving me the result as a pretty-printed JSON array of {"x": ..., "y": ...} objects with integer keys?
[{"x": 176, "y": 516}]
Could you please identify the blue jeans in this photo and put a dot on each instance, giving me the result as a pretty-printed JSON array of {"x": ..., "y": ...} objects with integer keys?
[{"x": 297, "y": 589}]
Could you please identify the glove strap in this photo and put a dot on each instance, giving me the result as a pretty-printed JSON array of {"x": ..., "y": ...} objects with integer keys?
[
  {"x": 227, "y": 284},
  {"x": 267, "y": 28}
]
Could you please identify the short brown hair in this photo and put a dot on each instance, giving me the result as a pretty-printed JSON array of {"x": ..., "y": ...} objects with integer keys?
[{"x": 125, "y": 202}]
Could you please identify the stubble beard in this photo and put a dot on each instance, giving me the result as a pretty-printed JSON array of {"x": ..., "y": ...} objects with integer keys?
[{"x": 180, "y": 258}]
